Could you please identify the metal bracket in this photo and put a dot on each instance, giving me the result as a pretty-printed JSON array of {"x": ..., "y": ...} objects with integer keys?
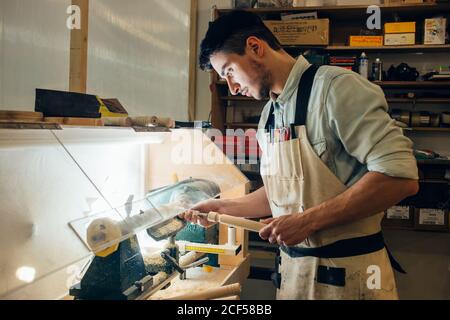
[{"x": 30, "y": 125}]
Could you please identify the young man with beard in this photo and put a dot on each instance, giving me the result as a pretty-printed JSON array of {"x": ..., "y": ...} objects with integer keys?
[{"x": 340, "y": 163}]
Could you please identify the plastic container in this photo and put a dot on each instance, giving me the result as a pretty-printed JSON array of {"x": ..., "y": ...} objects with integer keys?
[
  {"x": 377, "y": 70},
  {"x": 364, "y": 65}
]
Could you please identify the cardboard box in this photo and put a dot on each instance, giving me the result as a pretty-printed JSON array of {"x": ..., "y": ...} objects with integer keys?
[
  {"x": 366, "y": 41},
  {"x": 435, "y": 31},
  {"x": 399, "y": 216},
  {"x": 399, "y": 39},
  {"x": 402, "y": 1},
  {"x": 431, "y": 219},
  {"x": 400, "y": 27},
  {"x": 301, "y": 32}
]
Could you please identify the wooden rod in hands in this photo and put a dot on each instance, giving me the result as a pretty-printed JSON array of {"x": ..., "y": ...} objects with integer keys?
[
  {"x": 214, "y": 293},
  {"x": 235, "y": 221}
]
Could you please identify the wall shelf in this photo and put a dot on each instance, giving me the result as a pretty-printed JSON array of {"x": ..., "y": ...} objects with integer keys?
[
  {"x": 389, "y": 100},
  {"x": 413, "y": 84},
  {"x": 428, "y": 129},
  {"x": 351, "y": 10},
  {"x": 419, "y": 100},
  {"x": 412, "y": 48},
  {"x": 396, "y": 84}
]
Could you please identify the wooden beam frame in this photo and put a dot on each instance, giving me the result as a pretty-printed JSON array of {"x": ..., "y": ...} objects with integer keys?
[
  {"x": 192, "y": 60},
  {"x": 79, "y": 50}
]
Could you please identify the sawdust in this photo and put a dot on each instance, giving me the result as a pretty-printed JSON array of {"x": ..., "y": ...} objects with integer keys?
[
  {"x": 159, "y": 278},
  {"x": 154, "y": 259},
  {"x": 166, "y": 228},
  {"x": 196, "y": 281}
]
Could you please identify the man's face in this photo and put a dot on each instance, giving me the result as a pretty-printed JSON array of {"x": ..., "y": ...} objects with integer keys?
[{"x": 244, "y": 74}]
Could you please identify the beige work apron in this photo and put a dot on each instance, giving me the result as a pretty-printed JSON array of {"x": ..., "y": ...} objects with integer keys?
[{"x": 296, "y": 179}]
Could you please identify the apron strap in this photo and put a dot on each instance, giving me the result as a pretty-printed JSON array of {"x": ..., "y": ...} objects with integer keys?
[
  {"x": 303, "y": 96},
  {"x": 345, "y": 248}
]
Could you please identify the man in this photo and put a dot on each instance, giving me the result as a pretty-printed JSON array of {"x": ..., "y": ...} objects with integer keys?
[{"x": 333, "y": 161}]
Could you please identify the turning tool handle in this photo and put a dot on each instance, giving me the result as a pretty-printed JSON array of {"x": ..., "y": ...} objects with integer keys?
[{"x": 236, "y": 221}]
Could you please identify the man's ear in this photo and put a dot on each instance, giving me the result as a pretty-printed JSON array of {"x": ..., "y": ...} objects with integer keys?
[{"x": 255, "y": 46}]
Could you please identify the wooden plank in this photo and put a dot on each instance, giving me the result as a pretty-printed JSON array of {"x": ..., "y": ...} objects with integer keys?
[
  {"x": 239, "y": 273},
  {"x": 409, "y": 7},
  {"x": 71, "y": 121},
  {"x": 218, "y": 114},
  {"x": 414, "y": 84},
  {"x": 79, "y": 50},
  {"x": 193, "y": 59},
  {"x": 21, "y": 115},
  {"x": 412, "y": 48}
]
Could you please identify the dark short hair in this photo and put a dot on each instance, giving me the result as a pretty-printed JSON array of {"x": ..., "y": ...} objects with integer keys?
[{"x": 229, "y": 33}]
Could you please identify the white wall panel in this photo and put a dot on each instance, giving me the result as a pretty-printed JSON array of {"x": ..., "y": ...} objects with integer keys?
[
  {"x": 138, "y": 53},
  {"x": 35, "y": 50},
  {"x": 1, "y": 52},
  {"x": 203, "y": 105}
]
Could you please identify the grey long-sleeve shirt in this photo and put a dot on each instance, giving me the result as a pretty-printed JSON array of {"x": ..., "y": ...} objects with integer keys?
[{"x": 347, "y": 124}]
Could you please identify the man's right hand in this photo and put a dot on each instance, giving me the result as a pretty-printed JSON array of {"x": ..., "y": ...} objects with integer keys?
[{"x": 203, "y": 207}]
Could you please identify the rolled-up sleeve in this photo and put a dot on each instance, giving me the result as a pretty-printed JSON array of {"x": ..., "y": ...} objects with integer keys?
[{"x": 356, "y": 112}]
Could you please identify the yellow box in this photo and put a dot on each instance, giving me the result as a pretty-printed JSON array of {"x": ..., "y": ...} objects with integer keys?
[
  {"x": 400, "y": 27},
  {"x": 306, "y": 32},
  {"x": 366, "y": 41}
]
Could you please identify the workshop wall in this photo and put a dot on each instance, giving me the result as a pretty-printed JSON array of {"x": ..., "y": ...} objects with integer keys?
[
  {"x": 34, "y": 50},
  {"x": 138, "y": 53},
  {"x": 203, "y": 104},
  {"x": 1, "y": 50}
]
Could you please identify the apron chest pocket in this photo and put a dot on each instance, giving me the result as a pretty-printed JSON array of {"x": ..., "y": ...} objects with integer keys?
[{"x": 287, "y": 160}]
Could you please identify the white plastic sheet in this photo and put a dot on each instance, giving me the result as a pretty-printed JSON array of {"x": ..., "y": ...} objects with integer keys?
[{"x": 138, "y": 53}]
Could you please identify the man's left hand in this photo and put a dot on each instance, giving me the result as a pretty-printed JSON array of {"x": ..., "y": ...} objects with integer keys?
[{"x": 287, "y": 230}]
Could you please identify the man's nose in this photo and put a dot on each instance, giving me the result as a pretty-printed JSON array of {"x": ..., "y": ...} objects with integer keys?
[{"x": 234, "y": 87}]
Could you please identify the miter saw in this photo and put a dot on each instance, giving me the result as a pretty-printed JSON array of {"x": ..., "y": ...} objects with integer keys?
[{"x": 119, "y": 271}]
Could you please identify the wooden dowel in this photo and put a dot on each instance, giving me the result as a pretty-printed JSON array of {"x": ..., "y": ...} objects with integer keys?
[
  {"x": 215, "y": 293},
  {"x": 229, "y": 298},
  {"x": 236, "y": 221},
  {"x": 190, "y": 257}
]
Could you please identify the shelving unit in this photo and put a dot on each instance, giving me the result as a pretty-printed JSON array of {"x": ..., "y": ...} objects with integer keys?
[
  {"x": 348, "y": 11},
  {"x": 414, "y": 48},
  {"x": 344, "y": 21},
  {"x": 414, "y": 84}
]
